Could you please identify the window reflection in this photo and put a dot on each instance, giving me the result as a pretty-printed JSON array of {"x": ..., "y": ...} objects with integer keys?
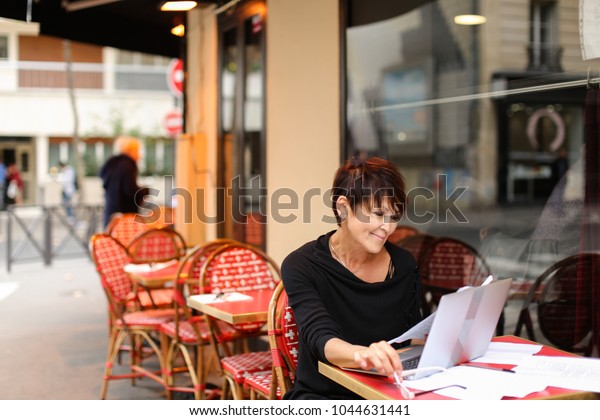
[{"x": 493, "y": 114}]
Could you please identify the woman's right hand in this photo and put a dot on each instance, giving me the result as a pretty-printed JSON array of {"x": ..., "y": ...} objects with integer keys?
[{"x": 382, "y": 357}]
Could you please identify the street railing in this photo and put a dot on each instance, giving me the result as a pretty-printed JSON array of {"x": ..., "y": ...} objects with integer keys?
[{"x": 45, "y": 232}]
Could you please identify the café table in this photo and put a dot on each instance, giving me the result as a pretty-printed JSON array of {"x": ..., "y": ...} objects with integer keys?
[
  {"x": 253, "y": 306},
  {"x": 374, "y": 387},
  {"x": 154, "y": 275}
]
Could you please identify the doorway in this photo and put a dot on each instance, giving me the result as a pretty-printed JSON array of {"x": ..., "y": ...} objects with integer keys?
[
  {"x": 20, "y": 151},
  {"x": 241, "y": 145}
]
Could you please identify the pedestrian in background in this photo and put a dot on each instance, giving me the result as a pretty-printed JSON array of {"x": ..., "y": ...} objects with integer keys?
[
  {"x": 2, "y": 180},
  {"x": 119, "y": 175},
  {"x": 67, "y": 180},
  {"x": 13, "y": 185}
]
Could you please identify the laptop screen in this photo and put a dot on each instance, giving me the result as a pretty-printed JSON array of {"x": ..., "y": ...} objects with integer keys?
[{"x": 463, "y": 326}]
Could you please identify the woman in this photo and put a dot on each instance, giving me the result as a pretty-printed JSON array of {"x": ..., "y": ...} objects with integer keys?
[{"x": 350, "y": 289}]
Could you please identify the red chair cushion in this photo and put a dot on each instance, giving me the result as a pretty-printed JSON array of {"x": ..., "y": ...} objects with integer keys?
[
  {"x": 187, "y": 333},
  {"x": 261, "y": 383},
  {"x": 243, "y": 365},
  {"x": 147, "y": 318}
]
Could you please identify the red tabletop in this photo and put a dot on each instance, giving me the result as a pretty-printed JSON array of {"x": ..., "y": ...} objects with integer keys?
[
  {"x": 382, "y": 388},
  {"x": 239, "y": 311}
]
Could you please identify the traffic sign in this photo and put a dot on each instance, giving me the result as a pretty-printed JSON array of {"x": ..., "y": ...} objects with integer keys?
[
  {"x": 173, "y": 122},
  {"x": 175, "y": 77}
]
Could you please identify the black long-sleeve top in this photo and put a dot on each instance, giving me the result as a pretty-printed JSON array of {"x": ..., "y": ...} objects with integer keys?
[
  {"x": 330, "y": 302},
  {"x": 122, "y": 193}
]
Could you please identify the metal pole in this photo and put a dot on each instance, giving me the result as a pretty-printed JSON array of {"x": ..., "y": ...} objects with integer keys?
[
  {"x": 47, "y": 236},
  {"x": 8, "y": 238}
]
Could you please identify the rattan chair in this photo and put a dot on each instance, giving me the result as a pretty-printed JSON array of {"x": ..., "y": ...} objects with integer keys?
[
  {"x": 417, "y": 244},
  {"x": 188, "y": 334},
  {"x": 154, "y": 246},
  {"x": 239, "y": 268},
  {"x": 126, "y": 226},
  {"x": 446, "y": 265},
  {"x": 136, "y": 327},
  {"x": 157, "y": 245},
  {"x": 401, "y": 232},
  {"x": 283, "y": 342},
  {"x": 563, "y": 295}
]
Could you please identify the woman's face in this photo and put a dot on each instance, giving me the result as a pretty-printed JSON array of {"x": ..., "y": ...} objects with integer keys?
[{"x": 371, "y": 226}]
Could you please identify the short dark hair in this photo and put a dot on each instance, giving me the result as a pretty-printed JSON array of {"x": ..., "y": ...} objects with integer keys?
[{"x": 369, "y": 182}]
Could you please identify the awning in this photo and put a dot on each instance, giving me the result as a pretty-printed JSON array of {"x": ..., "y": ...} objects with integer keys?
[{"x": 135, "y": 25}]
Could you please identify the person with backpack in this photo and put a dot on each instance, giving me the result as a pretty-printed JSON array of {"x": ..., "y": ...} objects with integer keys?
[{"x": 119, "y": 176}]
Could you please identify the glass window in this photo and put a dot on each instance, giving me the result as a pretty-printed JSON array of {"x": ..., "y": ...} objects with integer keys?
[
  {"x": 486, "y": 122},
  {"x": 3, "y": 47},
  {"x": 544, "y": 51}
]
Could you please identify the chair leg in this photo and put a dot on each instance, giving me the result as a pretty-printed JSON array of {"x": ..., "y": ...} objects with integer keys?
[
  {"x": 114, "y": 346},
  {"x": 165, "y": 348},
  {"x": 231, "y": 389},
  {"x": 500, "y": 325},
  {"x": 225, "y": 389},
  {"x": 525, "y": 319},
  {"x": 236, "y": 389}
]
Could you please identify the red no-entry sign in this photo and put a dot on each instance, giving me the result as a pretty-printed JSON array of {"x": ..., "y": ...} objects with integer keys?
[
  {"x": 173, "y": 122},
  {"x": 175, "y": 77}
]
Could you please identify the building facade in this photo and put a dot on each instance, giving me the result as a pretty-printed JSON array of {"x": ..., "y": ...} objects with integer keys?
[{"x": 106, "y": 92}]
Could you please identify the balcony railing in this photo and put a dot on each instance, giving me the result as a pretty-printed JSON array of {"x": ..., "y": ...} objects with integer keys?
[
  {"x": 96, "y": 76},
  {"x": 544, "y": 58}
]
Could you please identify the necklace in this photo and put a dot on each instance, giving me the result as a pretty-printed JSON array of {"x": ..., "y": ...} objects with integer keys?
[{"x": 337, "y": 257}]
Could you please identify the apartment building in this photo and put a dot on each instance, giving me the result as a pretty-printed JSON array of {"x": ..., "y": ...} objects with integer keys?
[{"x": 66, "y": 101}]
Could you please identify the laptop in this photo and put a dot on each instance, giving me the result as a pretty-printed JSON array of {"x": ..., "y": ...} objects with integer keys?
[{"x": 459, "y": 331}]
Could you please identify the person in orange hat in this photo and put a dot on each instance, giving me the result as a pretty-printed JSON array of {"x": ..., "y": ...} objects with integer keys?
[{"x": 119, "y": 175}]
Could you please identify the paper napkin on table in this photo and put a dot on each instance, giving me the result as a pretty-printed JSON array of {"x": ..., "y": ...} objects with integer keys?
[
  {"x": 146, "y": 268},
  {"x": 225, "y": 297}
]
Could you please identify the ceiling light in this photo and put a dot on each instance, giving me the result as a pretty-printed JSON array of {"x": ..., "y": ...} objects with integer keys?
[
  {"x": 469, "y": 19},
  {"x": 178, "y": 5},
  {"x": 178, "y": 30}
]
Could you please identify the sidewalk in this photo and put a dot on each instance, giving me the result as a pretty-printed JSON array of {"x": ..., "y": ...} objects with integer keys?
[{"x": 55, "y": 335}]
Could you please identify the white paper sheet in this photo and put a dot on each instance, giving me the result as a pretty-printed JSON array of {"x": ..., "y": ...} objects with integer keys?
[
  {"x": 419, "y": 331},
  {"x": 508, "y": 353},
  {"x": 480, "y": 384},
  {"x": 225, "y": 297},
  {"x": 581, "y": 373},
  {"x": 589, "y": 28}
]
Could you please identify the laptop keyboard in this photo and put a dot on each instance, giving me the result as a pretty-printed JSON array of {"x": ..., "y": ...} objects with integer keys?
[{"x": 410, "y": 363}]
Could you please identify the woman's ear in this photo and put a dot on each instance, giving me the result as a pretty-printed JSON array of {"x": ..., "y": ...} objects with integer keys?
[{"x": 342, "y": 207}]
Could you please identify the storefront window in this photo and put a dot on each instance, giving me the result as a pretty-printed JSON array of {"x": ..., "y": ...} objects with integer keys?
[{"x": 486, "y": 122}]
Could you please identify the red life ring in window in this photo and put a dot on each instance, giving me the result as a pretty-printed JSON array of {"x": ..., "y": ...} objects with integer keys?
[{"x": 559, "y": 138}]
